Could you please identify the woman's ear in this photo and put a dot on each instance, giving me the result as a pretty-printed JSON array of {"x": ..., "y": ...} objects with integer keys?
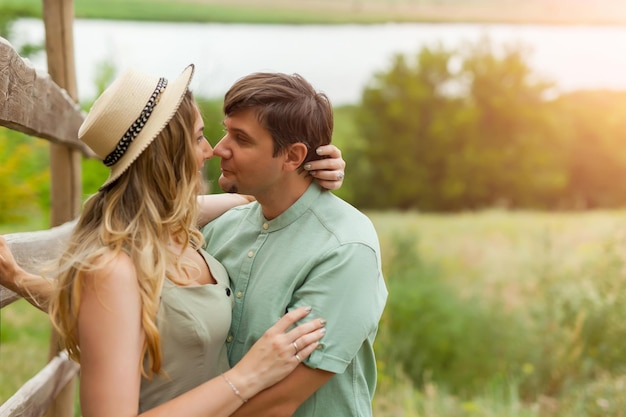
[{"x": 295, "y": 155}]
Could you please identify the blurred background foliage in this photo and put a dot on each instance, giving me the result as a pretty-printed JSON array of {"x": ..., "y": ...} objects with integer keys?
[
  {"x": 451, "y": 130},
  {"x": 460, "y": 157},
  {"x": 499, "y": 313}
]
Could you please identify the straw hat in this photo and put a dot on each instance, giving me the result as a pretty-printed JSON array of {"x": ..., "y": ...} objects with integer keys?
[{"x": 130, "y": 113}]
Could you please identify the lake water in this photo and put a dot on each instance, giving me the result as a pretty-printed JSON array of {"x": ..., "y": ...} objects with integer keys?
[{"x": 338, "y": 60}]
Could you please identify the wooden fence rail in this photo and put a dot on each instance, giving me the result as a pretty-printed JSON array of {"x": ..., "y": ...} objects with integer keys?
[
  {"x": 32, "y": 250},
  {"x": 36, "y": 395},
  {"x": 32, "y": 103}
]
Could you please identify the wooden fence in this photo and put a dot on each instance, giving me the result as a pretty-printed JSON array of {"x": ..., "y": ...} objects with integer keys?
[{"x": 44, "y": 105}]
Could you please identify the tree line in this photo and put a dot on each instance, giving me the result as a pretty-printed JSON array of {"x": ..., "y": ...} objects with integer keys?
[
  {"x": 441, "y": 130},
  {"x": 470, "y": 128}
]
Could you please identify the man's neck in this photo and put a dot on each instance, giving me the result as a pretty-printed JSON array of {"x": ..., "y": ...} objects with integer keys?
[{"x": 278, "y": 200}]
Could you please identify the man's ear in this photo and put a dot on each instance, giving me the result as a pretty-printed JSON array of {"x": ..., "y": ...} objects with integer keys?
[{"x": 295, "y": 156}]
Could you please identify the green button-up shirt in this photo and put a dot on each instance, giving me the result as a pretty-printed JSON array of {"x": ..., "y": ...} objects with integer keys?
[{"x": 323, "y": 253}]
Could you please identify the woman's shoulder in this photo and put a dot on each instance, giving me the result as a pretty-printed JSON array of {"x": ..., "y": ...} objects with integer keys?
[{"x": 112, "y": 267}]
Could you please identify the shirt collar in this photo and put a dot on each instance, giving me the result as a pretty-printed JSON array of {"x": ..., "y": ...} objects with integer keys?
[{"x": 293, "y": 213}]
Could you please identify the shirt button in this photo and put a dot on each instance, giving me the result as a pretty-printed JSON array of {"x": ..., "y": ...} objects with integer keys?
[
  {"x": 266, "y": 226},
  {"x": 229, "y": 338},
  {"x": 250, "y": 254},
  {"x": 239, "y": 294}
]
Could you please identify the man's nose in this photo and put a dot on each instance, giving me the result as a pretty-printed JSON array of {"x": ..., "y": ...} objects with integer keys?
[{"x": 221, "y": 149}]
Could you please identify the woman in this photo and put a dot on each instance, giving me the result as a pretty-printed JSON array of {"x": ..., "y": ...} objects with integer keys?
[{"x": 138, "y": 303}]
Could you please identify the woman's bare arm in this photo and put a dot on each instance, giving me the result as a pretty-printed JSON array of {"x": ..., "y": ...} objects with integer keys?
[
  {"x": 34, "y": 288},
  {"x": 212, "y": 206}
]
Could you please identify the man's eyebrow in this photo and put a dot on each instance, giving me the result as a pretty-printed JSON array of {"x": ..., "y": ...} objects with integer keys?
[{"x": 235, "y": 129}]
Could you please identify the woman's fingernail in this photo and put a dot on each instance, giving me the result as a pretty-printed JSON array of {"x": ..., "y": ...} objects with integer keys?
[
  {"x": 323, "y": 330},
  {"x": 307, "y": 166},
  {"x": 308, "y": 308},
  {"x": 318, "y": 151},
  {"x": 323, "y": 322}
]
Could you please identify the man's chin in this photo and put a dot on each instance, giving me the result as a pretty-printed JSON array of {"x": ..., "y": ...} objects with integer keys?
[{"x": 228, "y": 186}]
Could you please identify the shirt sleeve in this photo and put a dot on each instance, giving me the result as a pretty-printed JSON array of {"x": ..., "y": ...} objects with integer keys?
[{"x": 347, "y": 289}]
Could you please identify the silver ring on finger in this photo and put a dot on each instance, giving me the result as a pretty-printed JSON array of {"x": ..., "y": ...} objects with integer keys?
[
  {"x": 295, "y": 346},
  {"x": 298, "y": 358}
]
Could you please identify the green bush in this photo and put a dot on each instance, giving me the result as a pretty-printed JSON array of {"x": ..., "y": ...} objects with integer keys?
[
  {"x": 569, "y": 331},
  {"x": 578, "y": 326},
  {"x": 24, "y": 176},
  {"x": 437, "y": 335}
]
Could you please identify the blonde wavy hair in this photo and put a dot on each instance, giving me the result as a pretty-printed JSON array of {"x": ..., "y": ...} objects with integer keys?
[{"x": 155, "y": 198}]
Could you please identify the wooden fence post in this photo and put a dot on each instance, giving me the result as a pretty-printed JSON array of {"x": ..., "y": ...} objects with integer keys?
[{"x": 65, "y": 162}]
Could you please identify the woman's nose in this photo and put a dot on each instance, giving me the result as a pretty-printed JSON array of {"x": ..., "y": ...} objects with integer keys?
[{"x": 207, "y": 151}]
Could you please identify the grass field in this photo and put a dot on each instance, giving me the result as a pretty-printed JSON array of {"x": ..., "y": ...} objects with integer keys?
[
  {"x": 349, "y": 11},
  {"x": 508, "y": 257},
  {"x": 24, "y": 340}
]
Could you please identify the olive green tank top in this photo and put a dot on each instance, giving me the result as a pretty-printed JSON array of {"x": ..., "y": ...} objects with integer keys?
[{"x": 193, "y": 323}]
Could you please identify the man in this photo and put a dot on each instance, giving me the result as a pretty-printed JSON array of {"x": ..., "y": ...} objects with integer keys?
[{"x": 296, "y": 245}]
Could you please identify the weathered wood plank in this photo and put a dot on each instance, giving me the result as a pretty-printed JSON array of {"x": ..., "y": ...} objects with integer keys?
[
  {"x": 30, "y": 102},
  {"x": 33, "y": 250},
  {"x": 7, "y": 297},
  {"x": 34, "y": 397},
  {"x": 65, "y": 167}
]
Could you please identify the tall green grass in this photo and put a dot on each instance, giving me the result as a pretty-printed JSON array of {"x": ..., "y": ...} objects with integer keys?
[
  {"x": 24, "y": 341},
  {"x": 503, "y": 314},
  {"x": 267, "y": 12}
]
